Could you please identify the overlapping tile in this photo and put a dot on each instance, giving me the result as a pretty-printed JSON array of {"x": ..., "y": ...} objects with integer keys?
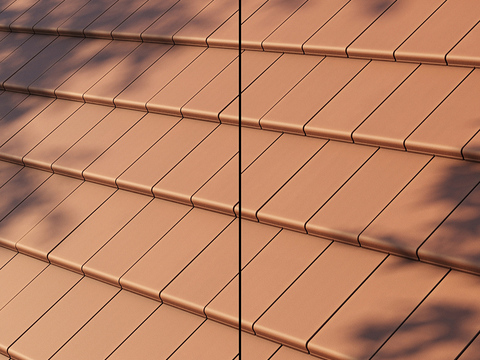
[
  {"x": 33, "y": 15},
  {"x": 465, "y": 52},
  {"x": 61, "y": 13},
  {"x": 13, "y": 11},
  {"x": 8, "y": 171}
]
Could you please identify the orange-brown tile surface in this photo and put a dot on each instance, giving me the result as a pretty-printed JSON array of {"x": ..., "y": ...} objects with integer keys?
[
  {"x": 14, "y": 11},
  {"x": 452, "y": 124},
  {"x": 386, "y": 298},
  {"x": 472, "y": 351},
  {"x": 32, "y": 302},
  {"x": 265, "y": 278},
  {"x": 434, "y": 39},
  {"x": 11, "y": 42},
  {"x": 423, "y": 205},
  {"x": 5, "y": 256},
  {"x": 8, "y": 171},
  {"x": 172, "y": 253},
  {"x": 112, "y": 260},
  {"x": 63, "y": 320},
  {"x": 255, "y": 348},
  {"x": 349, "y": 108},
  {"x": 6, "y": 4},
  {"x": 442, "y": 325},
  {"x": 296, "y": 315},
  {"x": 471, "y": 151},
  {"x": 61, "y": 13},
  {"x": 286, "y": 353},
  {"x": 466, "y": 52},
  {"x": 362, "y": 198},
  {"x": 9, "y": 101},
  {"x": 33, "y": 15}
]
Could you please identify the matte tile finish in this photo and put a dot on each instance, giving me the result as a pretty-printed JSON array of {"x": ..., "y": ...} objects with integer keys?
[
  {"x": 7, "y": 172},
  {"x": 12, "y": 42},
  {"x": 472, "y": 350},
  {"x": 466, "y": 52},
  {"x": 50, "y": 23},
  {"x": 5, "y": 256},
  {"x": 33, "y": 15},
  {"x": 286, "y": 353},
  {"x": 14, "y": 11},
  {"x": 471, "y": 151},
  {"x": 9, "y": 101},
  {"x": 255, "y": 348}
]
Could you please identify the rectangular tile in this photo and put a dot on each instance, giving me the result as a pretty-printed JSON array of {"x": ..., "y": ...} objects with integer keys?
[
  {"x": 471, "y": 151},
  {"x": 9, "y": 101},
  {"x": 8, "y": 171},
  {"x": 465, "y": 51},
  {"x": 286, "y": 353},
  {"x": 50, "y": 23},
  {"x": 255, "y": 348},
  {"x": 13, "y": 12},
  {"x": 37, "y": 12},
  {"x": 12, "y": 42},
  {"x": 472, "y": 350}
]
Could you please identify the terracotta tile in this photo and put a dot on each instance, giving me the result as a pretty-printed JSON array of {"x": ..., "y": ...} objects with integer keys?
[
  {"x": 298, "y": 106},
  {"x": 31, "y": 211},
  {"x": 197, "y": 30},
  {"x": 63, "y": 320},
  {"x": 278, "y": 163},
  {"x": 433, "y": 40},
  {"x": 296, "y": 315},
  {"x": 296, "y": 202},
  {"x": 97, "y": 230},
  {"x": 16, "y": 275},
  {"x": 349, "y": 108},
  {"x": 173, "y": 20},
  {"x": 365, "y": 195},
  {"x": 114, "y": 161},
  {"x": 217, "y": 94},
  {"x": 33, "y": 15},
  {"x": 32, "y": 302},
  {"x": 50, "y": 23},
  {"x": 8, "y": 171},
  {"x": 103, "y": 26},
  {"x": 164, "y": 261},
  {"x": 391, "y": 29},
  {"x": 95, "y": 142},
  {"x": 337, "y": 34},
  {"x": 212, "y": 341},
  {"x": 146, "y": 15},
  {"x": 442, "y": 135},
  {"x": 6, "y": 4},
  {"x": 423, "y": 205},
  {"x": 471, "y": 151},
  {"x": 396, "y": 118},
  {"x": 265, "y": 92},
  {"x": 189, "y": 82},
  {"x": 19, "y": 188},
  {"x": 108, "y": 328},
  {"x": 200, "y": 282},
  {"x": 96, "y": 68},
  {"x": 9, "y": 101},
  {"x": 170, "y": 325},
  {"x": 37, "y": 129},
  {"x": 204, "y": 161},
  {"x": 177, "y": 143},
  {"x": 472, "y": 350},
  {"x": 255, "y": 348},
  {"x": 441, "y": 326},
  {"x": 122, "y": 75},
  {"x": 112, "y": 261},
  {"x": 66, "y": 67},
  {"x": 41, "y": 63},
  {"x": 388, "y": 296},
  {"x": 13, "y": 12},
  {"x": 76, "y": 24},
  {"x": 286, "y": 353},
  {"x": 291, "y": 35},
  {"x": 65, "y": 136},
  {"x": 12, "y": 42},
  {"x": 265, "y": 278},
  {"x": 5, "y": 256},
  {"x": 137, "y": 94},
  {"x": 465, "y": 52}
]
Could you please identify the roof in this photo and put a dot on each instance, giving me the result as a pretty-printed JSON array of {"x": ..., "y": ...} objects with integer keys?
[{"x": 119, "y": 175}]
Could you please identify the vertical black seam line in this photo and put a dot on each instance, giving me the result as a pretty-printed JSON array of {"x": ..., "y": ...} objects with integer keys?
[
  {"x": 279, "y": 347},
  {"x": 240, "y": 17},
  {"x": 468, "y": 32},
  {"x": 466, "y": 347},
  {"x": 345, "y": 301},
  {"x": 83, "y": 30},
  {"x": 383, "y": 101},
  {"x": 463, "y": 147},
  {"x": 411, "y": 313},
  {"x": 289, "y": 286},
  {"x": 239, "y": 181},
  {"x": 334, "y": 95},
  {"x": 186, "y": 339},
  {"x": 340, "y": 188},
  {"x": 165, "y": 12},
  {"x": 418, "y": 27},
  {"x": 290, "y": 178},
  {"x": 436, "y": 107},
  {"x": 263, "y": 152},
  {"x": 441, "y": 223},
  {"x": 325, "y": 23},
  {"x": 198, "y": 13},
  {"x": 364, "y": 30},
  {"x": 398, "y": 194},
  {"x": 218, "y": 27}
]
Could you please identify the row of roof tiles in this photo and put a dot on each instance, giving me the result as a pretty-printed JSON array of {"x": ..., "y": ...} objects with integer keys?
[
  {"x": 115, "y": 236},
  {"x": 394, "y": 30}
]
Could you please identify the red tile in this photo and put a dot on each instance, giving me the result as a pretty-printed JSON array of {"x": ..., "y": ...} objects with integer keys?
[
  {"x": 471, "y": 151},
  {"x": 452, "y": 124},
  {"x": 286, "y": 353},
  {"x": 391, "y": 29},
  {"x": 442, "y": 325},
  {"x": 365, "y": 195},
  {"x": 108, "y": 328},
  {"x": 50, "y": 23},
  {"x": 395, "y": 119},
  {"x": 8, "y": 171},
  {"x": 296, "y": 315},
  {"x": 9, "y": 101},
  {"x": 296, "y": 202},
  {"x": 95, "y": 142},
  {"x": 265, "y": 92},
  {"x": 169, "y": 256},
  {"x": 63, "y": 320},
  {"x": 466, "y": 52},
  {"x": 131, "y": 146},
  {"x": 349, "y": 108},
  {"x": 12, "y": 42},
  {"x": 37, "y": 12},
  {"x": 278, "y": 164},
  {"x": 472, "y": 350},
  {"x": 423, "y": 205},
  {"x": 388, "y": 296},
  {"x": 265, "y": 278},
  {"x": 165, "y": 154},
  {"x": 97, "y": 230},
  {"x": 32, "y": 302},
  {"x": 433, "y": 40},
  {"x": 351, "y": 21},
  {"x": 293, "y": 111},
  {"x": 13, "y": 12}
]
